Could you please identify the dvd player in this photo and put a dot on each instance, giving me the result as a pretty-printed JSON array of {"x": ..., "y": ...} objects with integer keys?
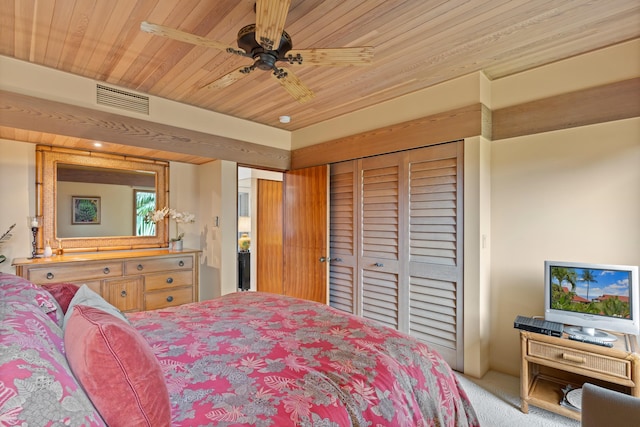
[{"x": 539, "y": 326}]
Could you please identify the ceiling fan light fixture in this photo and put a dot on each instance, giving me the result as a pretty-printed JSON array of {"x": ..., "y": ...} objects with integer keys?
[{"x": 266, "y": 42}]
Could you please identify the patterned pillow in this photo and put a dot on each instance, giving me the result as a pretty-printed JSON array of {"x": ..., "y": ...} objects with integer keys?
[
  {"x": 15, "y": 288},
  {"x": 37, "y": 387},
  {"x": 117, "y": 369},
  {"x": 62, "y": 292}
]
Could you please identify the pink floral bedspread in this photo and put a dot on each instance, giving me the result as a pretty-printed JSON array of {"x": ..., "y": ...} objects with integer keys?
[{"x": 268, "y": 360}]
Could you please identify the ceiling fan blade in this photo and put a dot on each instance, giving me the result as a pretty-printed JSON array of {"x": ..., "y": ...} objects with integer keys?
[
  {"x": 172, "y": 33},
  {"x": 293, "y": 85},
  {"x": 230, "y": 78},
  {"x": 332, "y": 56},
  {"x": 270, "y": 19}
]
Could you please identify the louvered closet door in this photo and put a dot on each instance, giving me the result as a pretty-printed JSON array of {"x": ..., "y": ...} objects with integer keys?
[
  {"x": 435, "y": 249},
  {"x": 396, "y": 229},
  {"x": 380, "y": 241},
  {"x": 343, "y": 236}
]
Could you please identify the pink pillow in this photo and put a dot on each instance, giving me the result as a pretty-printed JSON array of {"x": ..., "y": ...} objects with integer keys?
[
  {"x": 62, "y": 292},
  {"x": 117, "y": 369}
]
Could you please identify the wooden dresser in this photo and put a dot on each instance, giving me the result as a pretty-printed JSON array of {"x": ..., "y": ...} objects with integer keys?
[{"x": 131, "y": 280}]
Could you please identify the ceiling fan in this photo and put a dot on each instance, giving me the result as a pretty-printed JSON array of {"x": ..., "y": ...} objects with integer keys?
[{"x": 266, "y": 43}]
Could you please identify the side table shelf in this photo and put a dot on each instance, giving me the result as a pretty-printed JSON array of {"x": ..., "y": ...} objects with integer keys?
[{"x": 549, "y": 364}]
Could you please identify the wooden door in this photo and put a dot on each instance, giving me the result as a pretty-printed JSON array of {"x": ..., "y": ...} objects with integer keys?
[
  {"x": 305, "y": 213},
  {"x": 124, "y": 293},
  {"x": 269, "y": 256}
]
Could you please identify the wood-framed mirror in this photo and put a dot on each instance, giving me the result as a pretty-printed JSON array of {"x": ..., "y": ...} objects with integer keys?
[{"x": 91, "y": 201}]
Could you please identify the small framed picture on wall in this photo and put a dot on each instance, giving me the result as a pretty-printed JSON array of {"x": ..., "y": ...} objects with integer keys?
[{"x": 85, "y": 210}]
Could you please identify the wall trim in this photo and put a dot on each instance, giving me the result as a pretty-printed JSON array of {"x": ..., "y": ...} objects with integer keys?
[
  {"x": 41, "y": 115},
  {"x": 606, "y": 103},
  {"x": 451, "y": 125}
]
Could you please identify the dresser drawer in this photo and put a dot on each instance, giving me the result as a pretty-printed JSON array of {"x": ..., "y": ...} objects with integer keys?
[
  {"x": 596, "y": 363},
  {"x": 75, "y": 274},
  {"x": 144, "y": 266},
  {"x": 167, "y": 298},
  {"x": 167, "y": 279},
  {"x": 130, "y": 280}
]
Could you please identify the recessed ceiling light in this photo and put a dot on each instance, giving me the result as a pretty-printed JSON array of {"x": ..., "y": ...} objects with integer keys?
[
  {"x": 97, "y": 144},
  {"x": 284, "y": 119}
]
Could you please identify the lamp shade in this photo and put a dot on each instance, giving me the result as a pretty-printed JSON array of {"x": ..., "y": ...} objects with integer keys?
[{"x": 244, "y": 224}]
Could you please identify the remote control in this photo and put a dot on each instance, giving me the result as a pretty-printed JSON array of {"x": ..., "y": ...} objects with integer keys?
[{"x": 590, "y": 340}]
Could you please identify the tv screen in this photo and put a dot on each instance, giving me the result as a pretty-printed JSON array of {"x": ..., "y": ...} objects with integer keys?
[{"x": 592, "y": 296}]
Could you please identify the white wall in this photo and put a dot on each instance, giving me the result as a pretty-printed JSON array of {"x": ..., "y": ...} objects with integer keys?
[
  {"x": 457, "y": 93},
  {"x": 571, "y": 195},
  {"x": 218, "y": 232},
  {"x": 209, "y": 191},
  {"x": 17, "y": 198},
  {"x": 184, "y": 191},
  {"x": 477, "y": 255},
  {"x": 564, "y": 195}
]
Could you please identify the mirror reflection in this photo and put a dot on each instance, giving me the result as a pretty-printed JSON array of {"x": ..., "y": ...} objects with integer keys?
[{"x": 95, "y": 202}]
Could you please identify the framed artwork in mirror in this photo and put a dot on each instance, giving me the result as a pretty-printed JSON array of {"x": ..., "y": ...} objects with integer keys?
[{"x": 85, "y": 210}]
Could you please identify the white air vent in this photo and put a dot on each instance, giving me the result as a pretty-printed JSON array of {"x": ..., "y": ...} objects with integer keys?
[{"x": 118, "y": 98}]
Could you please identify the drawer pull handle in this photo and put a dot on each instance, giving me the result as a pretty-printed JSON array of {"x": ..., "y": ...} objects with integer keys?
[
  {"x": 106, "y": 270},
  {"x": 169, "y": 298},
  {"x": 50, "y": 276},
  {"x": 123, "y": 294},
  {"x": 572, "y": 358},
  {"x": 181, "y": 263},
  {"x": 378, "y": 264},
  {"x": 140, "y": 267},
  {"x": 169, "y": 279}
]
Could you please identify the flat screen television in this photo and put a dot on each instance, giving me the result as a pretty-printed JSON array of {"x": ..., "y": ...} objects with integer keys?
[{"x": 591, "y": 299}]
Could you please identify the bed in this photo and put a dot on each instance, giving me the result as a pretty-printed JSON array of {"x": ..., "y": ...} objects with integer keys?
[{"x": 246, "y": 358}]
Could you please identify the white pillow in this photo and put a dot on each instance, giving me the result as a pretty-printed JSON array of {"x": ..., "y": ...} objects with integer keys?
[{"x": 85, "y": 296}]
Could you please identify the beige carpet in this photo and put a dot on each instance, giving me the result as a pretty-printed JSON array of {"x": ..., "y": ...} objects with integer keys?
[{"x": 496, "y": 399}]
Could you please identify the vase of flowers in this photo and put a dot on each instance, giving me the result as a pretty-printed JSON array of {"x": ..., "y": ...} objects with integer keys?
[{"x": 175, "y": 243}]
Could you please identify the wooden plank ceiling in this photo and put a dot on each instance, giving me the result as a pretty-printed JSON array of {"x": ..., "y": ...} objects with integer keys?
[{"x": 416, "y": 44}]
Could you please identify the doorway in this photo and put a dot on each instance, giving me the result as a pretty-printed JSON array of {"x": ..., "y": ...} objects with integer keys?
[{"x": 259, "y": 229}]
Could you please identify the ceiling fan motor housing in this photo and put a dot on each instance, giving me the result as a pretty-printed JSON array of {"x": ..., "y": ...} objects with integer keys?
[{"x": 265, "y": 59}]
